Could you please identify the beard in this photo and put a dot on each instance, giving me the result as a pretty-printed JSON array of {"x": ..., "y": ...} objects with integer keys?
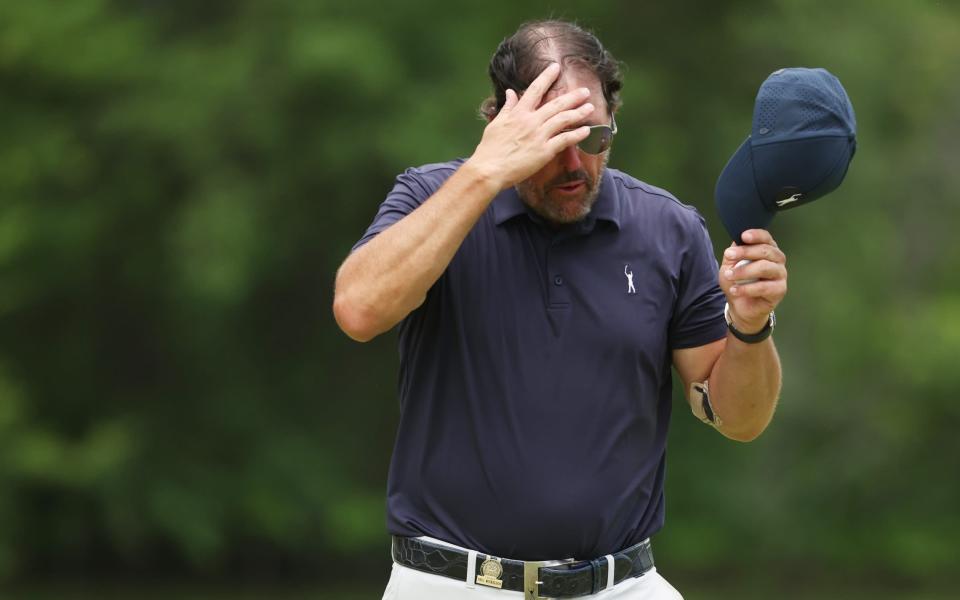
[{"x": 558, "y": 210}]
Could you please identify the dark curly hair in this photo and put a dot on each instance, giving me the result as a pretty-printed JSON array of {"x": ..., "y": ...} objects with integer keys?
[{"x": 522, "y": 56}]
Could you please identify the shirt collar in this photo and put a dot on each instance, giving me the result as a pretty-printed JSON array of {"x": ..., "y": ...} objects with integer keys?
[{"x": 507, "y": 204}]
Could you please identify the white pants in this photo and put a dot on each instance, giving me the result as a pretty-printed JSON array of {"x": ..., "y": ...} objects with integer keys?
[{"x": 409, "y": 584}]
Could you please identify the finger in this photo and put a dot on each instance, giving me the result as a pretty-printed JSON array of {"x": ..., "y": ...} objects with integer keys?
[
  {"x": 568, "y": 118},
  {"x": 511, "y": 100},
  {"x": 754, "y": 252},
  {"x": 562, "y": 103},
  {"x": 536, "y": 90},
  {"x": 757, "y": 236},
  {"x": 756, "y": 270},
  {"x": 770, "y": 292},
  {"x": 559, "y": 142}
]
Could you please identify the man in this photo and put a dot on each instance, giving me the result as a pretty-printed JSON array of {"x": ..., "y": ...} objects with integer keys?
[{"x": 542, "y": 299}]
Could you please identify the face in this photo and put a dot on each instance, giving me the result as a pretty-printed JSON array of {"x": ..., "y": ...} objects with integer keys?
[{"x": 564, "y": 190}]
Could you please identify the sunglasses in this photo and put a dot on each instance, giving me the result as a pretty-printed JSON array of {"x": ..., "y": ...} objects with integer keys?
[{"x": 599, "y": 138}]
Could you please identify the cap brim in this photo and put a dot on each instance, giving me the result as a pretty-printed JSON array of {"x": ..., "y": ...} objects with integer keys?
[
  {"x": 738, "y": 200},
  {"x": 814, "y": 167}
]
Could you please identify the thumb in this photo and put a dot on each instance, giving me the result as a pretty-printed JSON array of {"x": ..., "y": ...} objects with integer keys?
[
  {"x": 729, "y": 261},
  {"x": 732, "y": 261}
]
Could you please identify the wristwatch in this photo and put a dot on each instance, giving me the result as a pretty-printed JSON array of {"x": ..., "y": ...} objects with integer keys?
[{"x": 750, "y": 338}]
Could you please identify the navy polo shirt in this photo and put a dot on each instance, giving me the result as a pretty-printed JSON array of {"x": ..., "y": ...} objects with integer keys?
[{"x": 535, "y": 379}]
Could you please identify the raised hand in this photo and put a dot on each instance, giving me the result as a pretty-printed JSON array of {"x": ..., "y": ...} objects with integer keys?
[
  {"x": 525, "y": 136},
  {"x": 754, "y": 288}
]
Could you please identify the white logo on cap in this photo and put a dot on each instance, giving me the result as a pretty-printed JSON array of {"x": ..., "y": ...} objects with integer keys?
[
  {"x": 791, "y": 199},
  {"x": 629, "y": 274}
]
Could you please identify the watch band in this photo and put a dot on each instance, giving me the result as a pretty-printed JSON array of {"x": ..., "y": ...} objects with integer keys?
[{"x": 750, "y": 338}]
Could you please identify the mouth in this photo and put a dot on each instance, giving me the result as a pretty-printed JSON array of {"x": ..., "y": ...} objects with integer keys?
[{"x": 574, "y": 187}]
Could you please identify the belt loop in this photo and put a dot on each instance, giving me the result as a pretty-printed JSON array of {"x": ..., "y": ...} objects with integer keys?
[
  {"x": 611, "y": 571},
  {"x": 595, "y": 576},
  {"x": 471, "y": 569}
]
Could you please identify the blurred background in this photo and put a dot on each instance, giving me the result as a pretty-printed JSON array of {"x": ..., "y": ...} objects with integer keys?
[{"x": 179, "y": 181}]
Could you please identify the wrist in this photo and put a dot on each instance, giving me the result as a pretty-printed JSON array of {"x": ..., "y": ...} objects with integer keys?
[
  {"x": 484, "y": 175},
  {"x": 749, "y": 331},
  {"x": 749, "y": 327}
]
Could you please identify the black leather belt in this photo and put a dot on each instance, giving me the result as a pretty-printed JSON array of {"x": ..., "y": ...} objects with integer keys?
[{"x": 537, "y": 579}]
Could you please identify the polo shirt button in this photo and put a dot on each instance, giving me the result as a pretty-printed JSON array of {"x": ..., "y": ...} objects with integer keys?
[{"x": 558, "y": 280}]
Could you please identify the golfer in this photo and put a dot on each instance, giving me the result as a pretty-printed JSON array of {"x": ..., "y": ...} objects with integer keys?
[{"x": 542, "y": 299}]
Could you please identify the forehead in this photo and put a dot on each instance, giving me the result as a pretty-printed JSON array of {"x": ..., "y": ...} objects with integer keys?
[{"x": 573, "y": 77}]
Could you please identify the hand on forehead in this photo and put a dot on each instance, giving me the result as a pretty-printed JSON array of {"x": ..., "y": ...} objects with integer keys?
[{"x": 573, "y": 77}]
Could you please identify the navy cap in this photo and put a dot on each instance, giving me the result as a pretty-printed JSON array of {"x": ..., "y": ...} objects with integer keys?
[{"x": 803, "y": 137}]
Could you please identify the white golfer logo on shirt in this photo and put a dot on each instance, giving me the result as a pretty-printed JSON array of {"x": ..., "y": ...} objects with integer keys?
[{"x": 629, "y": 274}]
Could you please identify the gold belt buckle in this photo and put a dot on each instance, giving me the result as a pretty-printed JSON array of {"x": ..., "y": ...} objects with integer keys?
[
  {"x": 531, "y": 580},
  {"x": 531, "y": 576}
]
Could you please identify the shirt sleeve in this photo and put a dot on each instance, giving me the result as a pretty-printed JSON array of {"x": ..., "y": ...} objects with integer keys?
[
  {"x": 698, "y": 314},
  {"x": 409, "y": 191}
]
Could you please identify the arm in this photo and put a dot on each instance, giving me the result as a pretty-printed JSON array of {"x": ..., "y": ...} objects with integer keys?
[
  {"x": 384, "y": 280},
  {"x": 744, "y": 379}
]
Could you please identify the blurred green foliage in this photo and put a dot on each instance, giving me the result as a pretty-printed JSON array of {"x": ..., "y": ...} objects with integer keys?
[{"x": 179, "y": 182}]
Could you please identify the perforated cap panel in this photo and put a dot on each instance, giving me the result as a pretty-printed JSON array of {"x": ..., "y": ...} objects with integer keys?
[{"x": 801, "y": 102}]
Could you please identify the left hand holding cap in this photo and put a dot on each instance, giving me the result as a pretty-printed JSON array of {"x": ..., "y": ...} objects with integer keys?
[{"x": 751, "y": 302}]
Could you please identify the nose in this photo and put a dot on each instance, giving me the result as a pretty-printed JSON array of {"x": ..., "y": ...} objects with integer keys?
[{"x": 570, "y": 158}]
